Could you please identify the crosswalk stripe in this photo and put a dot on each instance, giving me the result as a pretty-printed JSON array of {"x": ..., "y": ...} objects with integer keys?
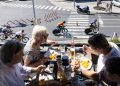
[
  {"x": 74, "y": 33},
  {"x": 46, "y": 7},
  {"x": 37, "y": 6},
  {"x": 82, "y": 37},
  {"x": 77, "y": 22},
  {"x": 55, "y": 8},
  {"x": 59, "y": 8},
  {"x": 75, "y": 27},
  {"x": 76, "y": 18},
  {"x": 64, "y": 9},
  {"x": 30, "y": 6},
  {"x": 50, "y": 7},
  {"x": 42, "y": 7}
]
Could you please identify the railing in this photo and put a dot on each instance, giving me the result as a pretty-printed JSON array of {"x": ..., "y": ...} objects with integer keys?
[{"x": 56, "y": 45}]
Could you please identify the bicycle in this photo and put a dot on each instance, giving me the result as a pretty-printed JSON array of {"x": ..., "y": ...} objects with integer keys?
[
  {"x": 23, "y": 38},
  {"x": 4, "y": 36},
  {"x": 91, "y": 30},
  {"x": 5, "y": 33},
  {"x": 59, "y": 30}
]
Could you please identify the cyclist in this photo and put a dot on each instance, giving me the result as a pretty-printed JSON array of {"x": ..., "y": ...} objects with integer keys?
[
  {"x": 61, "y": 24},
  {"x": 5, "y": 31},
  {"x": 93, "y": 23},
  {"x": 19, "y": 34}
]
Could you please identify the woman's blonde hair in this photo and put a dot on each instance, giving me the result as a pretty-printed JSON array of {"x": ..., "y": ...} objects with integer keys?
[{"x": 39, "y": 31}]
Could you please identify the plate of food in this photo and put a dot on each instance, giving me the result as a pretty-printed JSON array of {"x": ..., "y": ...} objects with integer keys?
[
  {"x": 53, "y": 54},
  {"x": 85, "y": 63}
]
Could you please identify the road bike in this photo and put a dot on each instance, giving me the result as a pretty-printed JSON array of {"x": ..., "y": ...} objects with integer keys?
[
  {"x": 6, "y": 33},
  {"x": 23, "y": 38},
  {"x": 59, "y": 30}
]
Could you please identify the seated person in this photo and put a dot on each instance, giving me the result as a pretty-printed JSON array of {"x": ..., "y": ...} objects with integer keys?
[
  {"x": 61, "y": 24},
  {"x": 99, "y": 45},
  {"x": 32, "y": 56},
  {"x": 11, "y": 70}
]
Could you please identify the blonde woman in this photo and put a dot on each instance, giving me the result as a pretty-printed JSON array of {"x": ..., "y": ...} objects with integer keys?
[{"x": 32, "y": 56}]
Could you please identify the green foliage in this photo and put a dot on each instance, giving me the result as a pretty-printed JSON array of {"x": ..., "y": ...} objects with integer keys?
[{"x": 115, "y": 40}]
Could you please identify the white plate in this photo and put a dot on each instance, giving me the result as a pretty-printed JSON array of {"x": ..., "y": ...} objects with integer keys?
[{"x": 86, "y": 60}]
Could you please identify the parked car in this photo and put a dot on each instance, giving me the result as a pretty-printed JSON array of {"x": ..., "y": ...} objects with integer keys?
[{"x": 116, "y": 3}]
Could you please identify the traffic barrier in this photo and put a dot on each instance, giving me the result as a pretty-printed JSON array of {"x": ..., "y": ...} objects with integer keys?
[{"x": 51, "y": 16}]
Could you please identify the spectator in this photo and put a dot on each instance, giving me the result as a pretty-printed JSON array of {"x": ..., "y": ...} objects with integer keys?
[
  {"x": 32, "y": 56},
  {"x": 107, "y": 6},
  {"x": 110, "y": 7},
  {"x": 99, "y": 45},
  {"x": 11, "y": 54}
]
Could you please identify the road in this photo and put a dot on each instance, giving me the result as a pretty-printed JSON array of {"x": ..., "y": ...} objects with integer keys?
[
  {"x": 23, "y": 10},
  {"x": 50, "y": 15}
]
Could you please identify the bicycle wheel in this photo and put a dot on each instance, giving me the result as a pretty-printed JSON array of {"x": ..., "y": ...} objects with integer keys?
[
  {"x": 25, "y": 39},
  {"x": 87, "y": 31},
  {"x": 2, "y": 37},
  {"x": 64, "y": 30},
  {"x": 12, "y": 35}
]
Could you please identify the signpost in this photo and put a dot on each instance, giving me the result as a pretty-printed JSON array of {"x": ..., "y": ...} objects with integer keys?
[
  {"x": 74, "y": 4},
  {"x": 35, "y": 20}
]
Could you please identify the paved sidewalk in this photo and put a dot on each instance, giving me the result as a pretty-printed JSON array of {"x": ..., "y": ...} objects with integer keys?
[{"x": 70, "y": 5}]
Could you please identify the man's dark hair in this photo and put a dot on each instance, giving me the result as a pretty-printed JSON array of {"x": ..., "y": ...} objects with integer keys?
[
  {"x": 112, "y": 65},
  {"x": 98, "y": 41}
]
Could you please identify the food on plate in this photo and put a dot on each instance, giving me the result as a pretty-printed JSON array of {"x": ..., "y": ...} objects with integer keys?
[{"x": 85, "y": 63}]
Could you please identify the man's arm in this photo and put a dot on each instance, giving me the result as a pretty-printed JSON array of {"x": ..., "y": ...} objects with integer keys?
[{"x": 90, "y": 74}]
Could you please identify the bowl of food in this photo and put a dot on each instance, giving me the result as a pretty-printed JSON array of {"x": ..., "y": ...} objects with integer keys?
[{"x": 85, "y": 64}]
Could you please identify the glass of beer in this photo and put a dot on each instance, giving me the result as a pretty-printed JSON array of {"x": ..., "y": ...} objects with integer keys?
[{"x": 72, "y": 53}]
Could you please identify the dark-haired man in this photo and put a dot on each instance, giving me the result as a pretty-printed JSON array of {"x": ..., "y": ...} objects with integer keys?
[{"x": 99, "y": 45}]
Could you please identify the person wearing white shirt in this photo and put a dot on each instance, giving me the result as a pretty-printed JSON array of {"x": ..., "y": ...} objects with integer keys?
[
  {"x": 11, "y": 70},
  {"x": 99, "y": 45}
]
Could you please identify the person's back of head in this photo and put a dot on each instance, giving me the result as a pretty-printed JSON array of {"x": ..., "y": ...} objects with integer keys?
[
  {"x": 9, "y": 50},
  {"x": 112, "y": 64},
  {"x": 98, "y": 41},
  {"x": 39, "y": 31}
]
